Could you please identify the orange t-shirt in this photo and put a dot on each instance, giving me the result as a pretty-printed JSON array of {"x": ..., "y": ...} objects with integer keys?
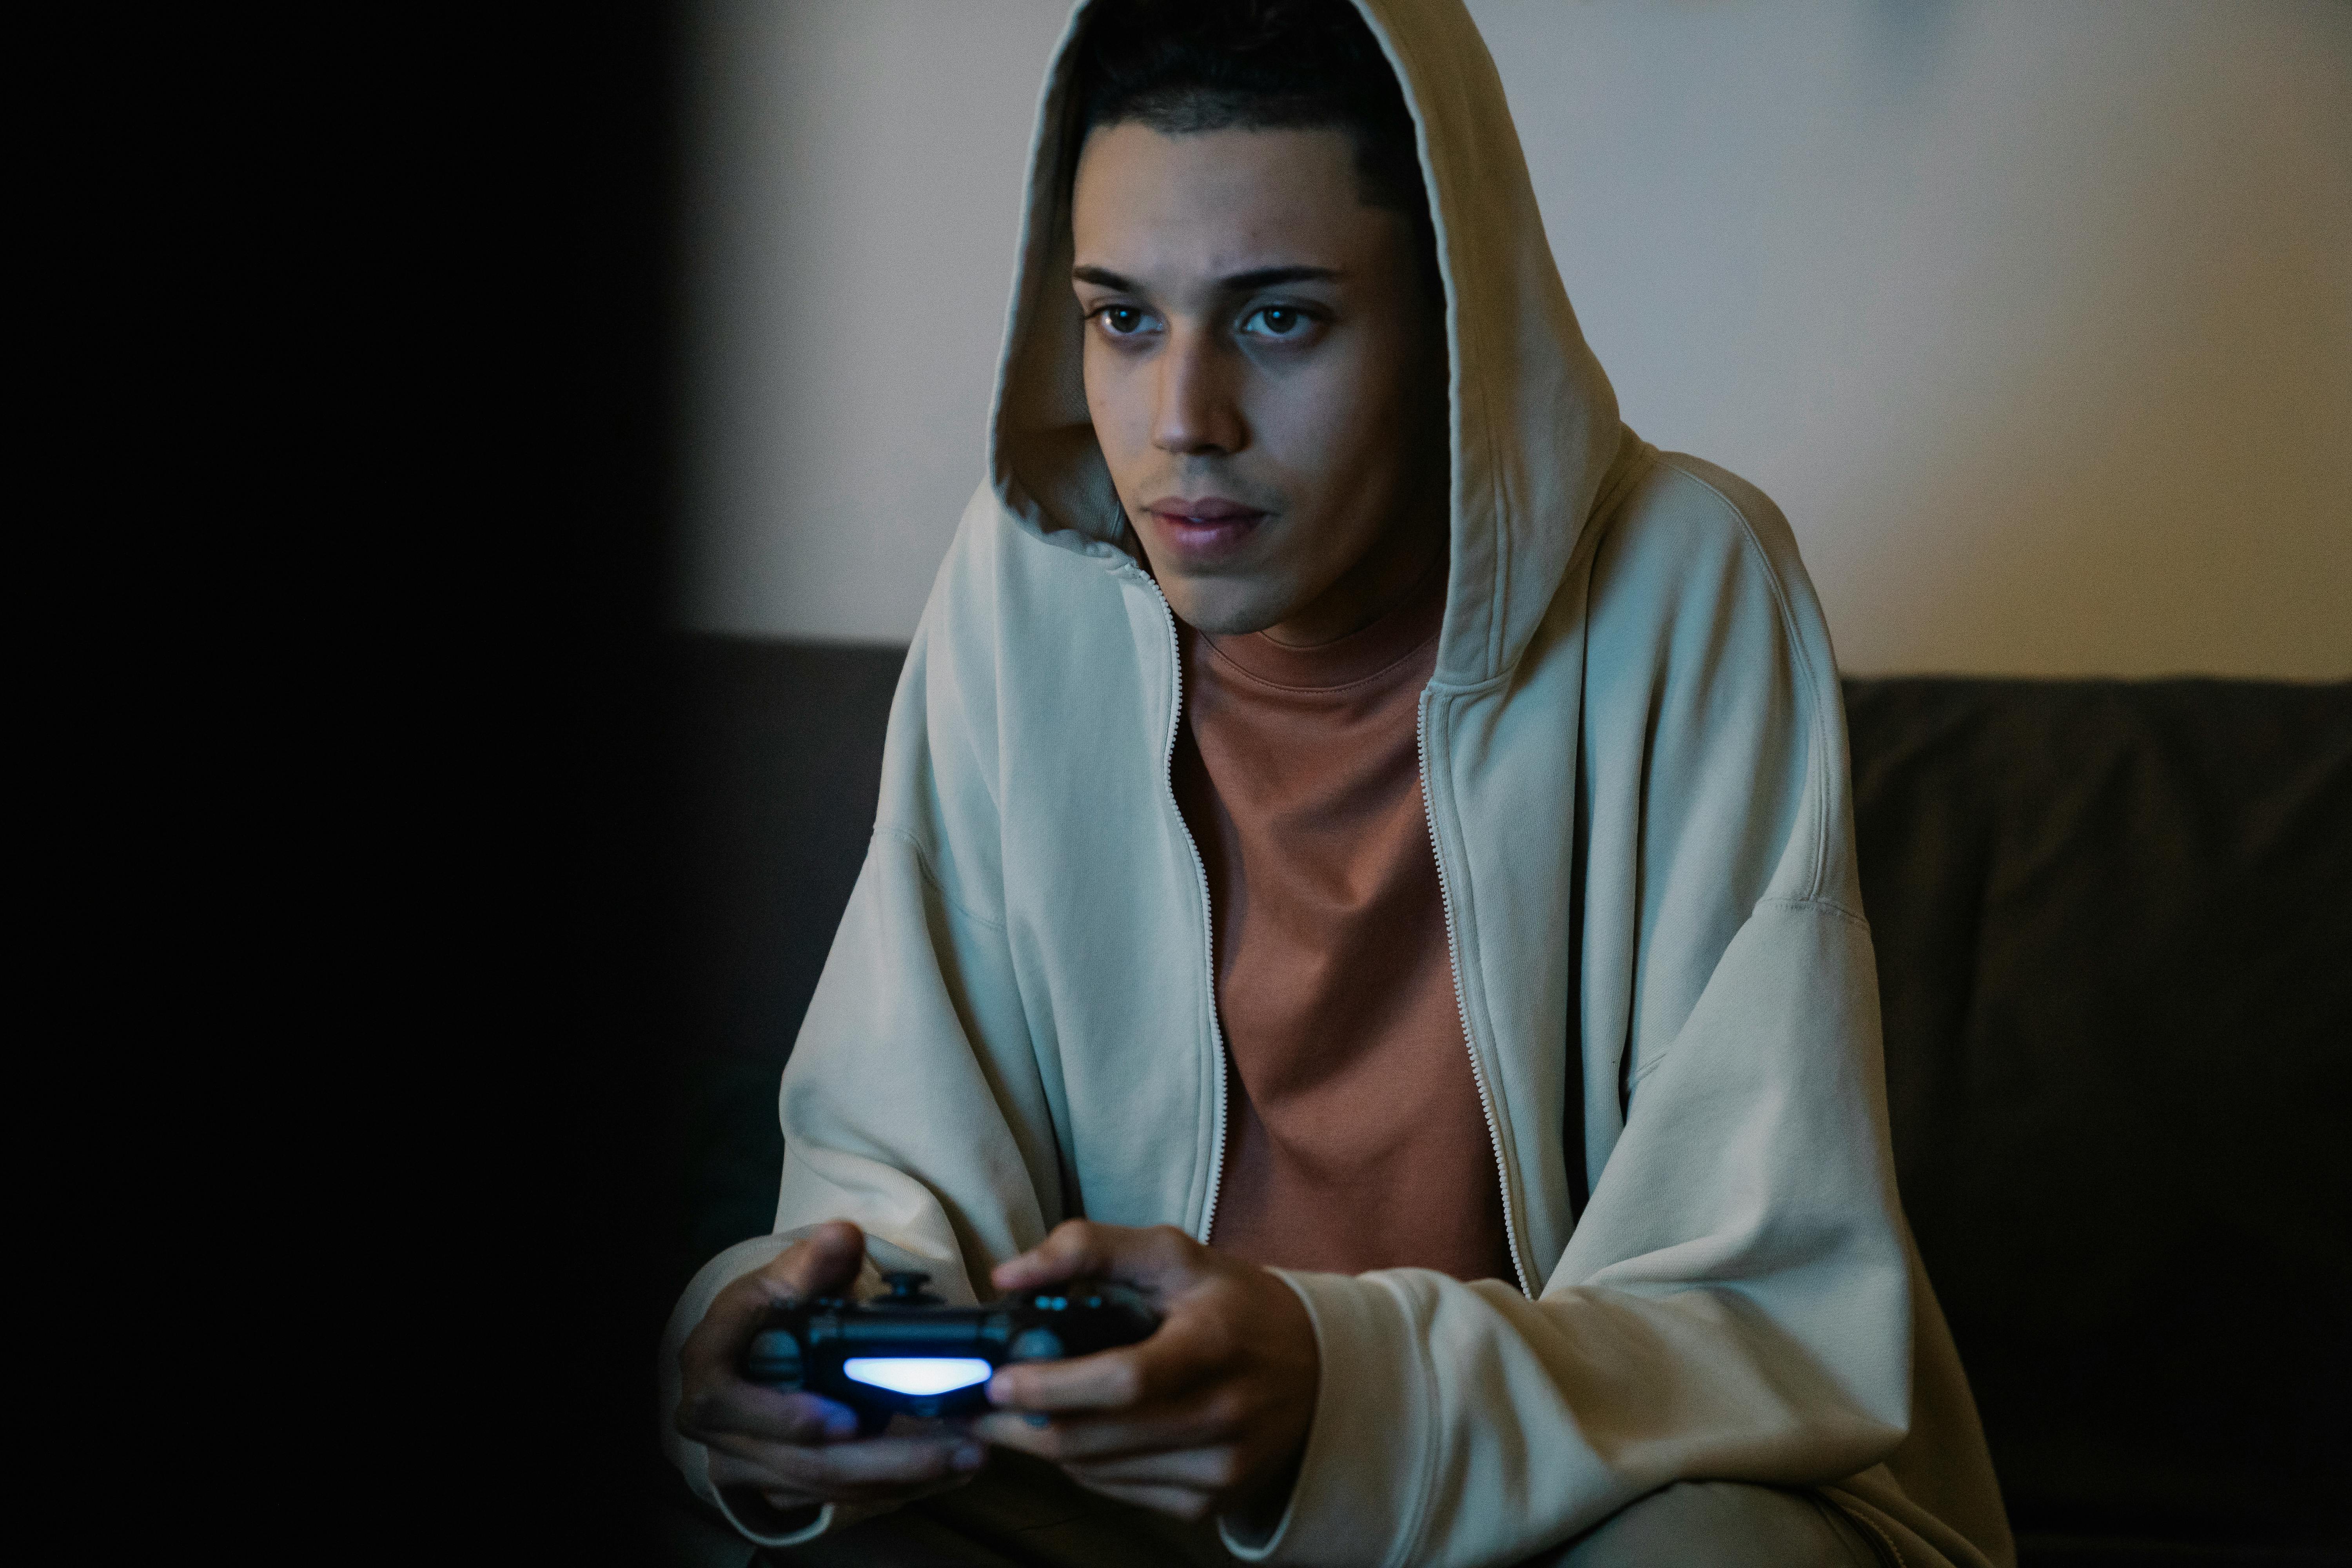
[{"x": 1355, "y": 1137}]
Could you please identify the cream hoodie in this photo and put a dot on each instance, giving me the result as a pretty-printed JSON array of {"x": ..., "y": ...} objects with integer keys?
[{"x": 1635, "y": 772}]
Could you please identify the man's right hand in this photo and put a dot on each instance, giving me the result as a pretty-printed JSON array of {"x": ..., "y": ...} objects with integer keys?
[{"x": 797, "y": 1451}]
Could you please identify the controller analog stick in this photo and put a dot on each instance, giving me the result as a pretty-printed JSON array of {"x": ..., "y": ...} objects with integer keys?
[
  {"x": 774, "y": 1357},
  {"x": 1037, "y": 1344}
]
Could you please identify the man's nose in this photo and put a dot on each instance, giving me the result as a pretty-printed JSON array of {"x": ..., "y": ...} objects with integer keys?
[{"x": 1196, "y": 412}]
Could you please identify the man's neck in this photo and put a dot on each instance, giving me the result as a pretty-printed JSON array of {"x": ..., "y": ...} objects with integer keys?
[{"x": 1392, "y": 572}]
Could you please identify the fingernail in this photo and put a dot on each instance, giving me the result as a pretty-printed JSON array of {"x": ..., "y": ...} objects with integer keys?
[
  {"x": 841, "y": 1424},
  {"x": 1038, "y": 1418},
  {"x": 968, "y": 1457}
]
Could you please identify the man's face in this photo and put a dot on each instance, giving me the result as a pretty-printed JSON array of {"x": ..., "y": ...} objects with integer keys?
[{"x": 1266, "y": 373}]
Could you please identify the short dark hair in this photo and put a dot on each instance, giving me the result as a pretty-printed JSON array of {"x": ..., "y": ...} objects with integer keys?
[{"x": 1186, "y": 66}]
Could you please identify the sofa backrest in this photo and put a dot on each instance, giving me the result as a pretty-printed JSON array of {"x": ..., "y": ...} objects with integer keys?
[{"x": 2114, "y": 929}]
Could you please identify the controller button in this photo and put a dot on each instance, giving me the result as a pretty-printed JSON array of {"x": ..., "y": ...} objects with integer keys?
[{"x": 907, "y": 1287}]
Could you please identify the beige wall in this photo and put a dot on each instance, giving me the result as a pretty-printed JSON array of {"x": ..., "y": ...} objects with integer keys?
[{"x": 2036, "y": 319}]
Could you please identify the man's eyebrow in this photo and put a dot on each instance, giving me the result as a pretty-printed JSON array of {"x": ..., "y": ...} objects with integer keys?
[
  {"x": 1235, "y": 283},
  {"x": 1275, "y": 277}
]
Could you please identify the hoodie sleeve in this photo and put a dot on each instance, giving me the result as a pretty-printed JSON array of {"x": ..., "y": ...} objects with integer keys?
[
  {"x": 916, "y": 1051},
  {"x": 1734, "y": 1306},
  {"x": 885, "y": 1066},
  {"x": 1736, "y": 1300}
]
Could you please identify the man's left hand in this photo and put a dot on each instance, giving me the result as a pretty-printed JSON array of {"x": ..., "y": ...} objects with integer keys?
[{"x": 1211, "y": 1412}]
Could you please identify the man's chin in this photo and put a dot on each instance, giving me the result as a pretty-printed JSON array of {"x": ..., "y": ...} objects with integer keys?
[{"x": 1219, "y": 609}]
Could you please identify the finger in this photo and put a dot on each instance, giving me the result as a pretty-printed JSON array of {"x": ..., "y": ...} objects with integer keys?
[
  {"x": 826, "y": 1259},
  {"x": 1091, "y": 1439},
  {"x": 729, "y": 1473},
  {"x": 876, "y": 1462},
  {"x": 1185, "y": 1353},
  {"x": 1071, "y": 1248},
  {"x": 868, "y": 1461},
  {"x": 1107, "y": 1379},
  {"x": 1157, "y": 1260},
  {"x": 769, "y": 1414}
]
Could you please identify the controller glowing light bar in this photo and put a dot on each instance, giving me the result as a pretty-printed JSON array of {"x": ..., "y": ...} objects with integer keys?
[{"x": 918, "y": 1374}]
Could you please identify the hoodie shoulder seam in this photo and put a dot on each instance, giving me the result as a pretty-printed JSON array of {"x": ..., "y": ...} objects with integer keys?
[{"x": 1816, "y": 743}]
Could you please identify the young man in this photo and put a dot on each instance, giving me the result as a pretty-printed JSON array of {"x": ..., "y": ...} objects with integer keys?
[{"x": 1368, "y": 834}]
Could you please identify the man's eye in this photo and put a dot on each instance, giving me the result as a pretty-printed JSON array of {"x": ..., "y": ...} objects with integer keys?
[
  {"x": 1273, "y": 321},
  {"x": 1121, "y": 321}
]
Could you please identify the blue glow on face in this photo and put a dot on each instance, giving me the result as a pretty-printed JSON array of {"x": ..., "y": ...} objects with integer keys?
[{"x": 918, "y": 1374}]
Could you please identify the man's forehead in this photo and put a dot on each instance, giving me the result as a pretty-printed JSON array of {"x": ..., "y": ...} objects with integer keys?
[
  {"x": 1134, "y": 168},
  {"x": 1225, "y": 201},
  {"x": 1254, "y": 154}
]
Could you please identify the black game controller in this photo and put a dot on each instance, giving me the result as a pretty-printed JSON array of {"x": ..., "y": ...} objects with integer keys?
[{"x": 911, "y": 1352}]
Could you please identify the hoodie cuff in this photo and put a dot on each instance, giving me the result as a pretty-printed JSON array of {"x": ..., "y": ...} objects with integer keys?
[
  {"x": 755, "y": 1522},
  {"x": 1359, "y": 1493}
]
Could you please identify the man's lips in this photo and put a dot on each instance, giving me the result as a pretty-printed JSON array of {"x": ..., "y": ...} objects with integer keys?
[
  {"x": 1208, "y": 511},
  {"x": 1203, "y": 531}
]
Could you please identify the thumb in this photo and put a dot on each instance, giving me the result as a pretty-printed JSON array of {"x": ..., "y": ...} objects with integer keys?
[
  {"x": 825, "y": 1259},
  {"x": 822, "y": 1261},
  {"x": 1157, "y": 1260}
]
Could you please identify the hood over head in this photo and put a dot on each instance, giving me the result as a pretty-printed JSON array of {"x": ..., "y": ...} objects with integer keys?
[{"x": 1535, "y": 431}]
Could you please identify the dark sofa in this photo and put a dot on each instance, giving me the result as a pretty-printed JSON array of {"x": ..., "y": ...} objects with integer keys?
[{"x": 2114, "y": 927}]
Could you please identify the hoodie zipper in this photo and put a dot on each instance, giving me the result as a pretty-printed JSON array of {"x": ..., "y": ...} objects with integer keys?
[
  {"x": 1200, "y": 870},
  {"x": 1452, "y": 945},
  {"x": 1461, "y": 1007}
]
